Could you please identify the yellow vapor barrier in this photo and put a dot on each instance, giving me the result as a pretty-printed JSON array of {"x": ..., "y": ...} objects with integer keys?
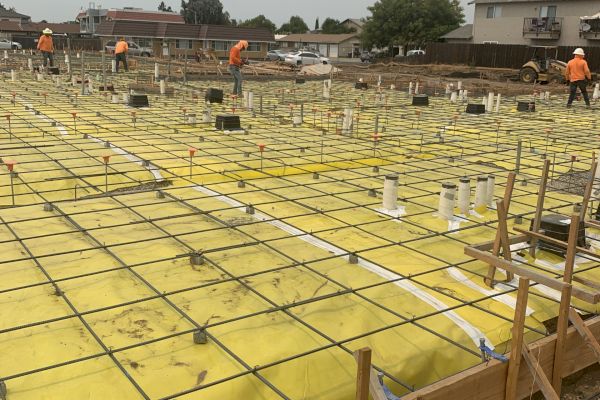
[{"x": 147, "y": 256}]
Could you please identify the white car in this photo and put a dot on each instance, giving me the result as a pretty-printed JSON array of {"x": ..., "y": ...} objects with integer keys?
[
  {"x": 6, "y": 44},
  {"x": 305, "y": 58},
  {"x": 418, "y": 52}
]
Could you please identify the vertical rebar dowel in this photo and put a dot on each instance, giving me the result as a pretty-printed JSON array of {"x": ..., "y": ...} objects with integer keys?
[
  {"x": 261, "y": 103},
  {"x": 103, "y": 71},
  {"x": 185, "y": 65},
  {"x": 518, "y": 161},
  {"x": 70, "y": 60},
  {"x": 12, "y": 188},
  {"x": 376, "y": 123}
]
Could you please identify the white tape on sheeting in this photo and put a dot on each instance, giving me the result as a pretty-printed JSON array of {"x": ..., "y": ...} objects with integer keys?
[
  {"x": 503, "y": 298},
  {"x": 474, "y": 333}
]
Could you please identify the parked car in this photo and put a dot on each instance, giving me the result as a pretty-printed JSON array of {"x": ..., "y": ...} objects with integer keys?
[
  {"x": 418, "y": 52},
  {"x": 305, "y": 58},
  {"x": 275, "y": 55},
  {"x": 366, "y": 56},
  {"x": 6, "y": 44},
  {"x": 134, "y": 49}
]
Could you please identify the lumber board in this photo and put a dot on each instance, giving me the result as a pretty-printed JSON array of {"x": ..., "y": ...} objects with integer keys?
[
  {"x": 539, "y": 374},
  {"x": 585, "y": 332},
  {"x": 556, "y": 242},
  {"x": 516, "y": 343},
  {"x": 561, "y": 334},
  {"x": 487, "y": 381},
  {"x": 537, "y": 220},
  {"x": 363, "y": 373}
]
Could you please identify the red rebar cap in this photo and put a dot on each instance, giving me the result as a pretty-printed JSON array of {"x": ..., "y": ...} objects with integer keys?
[
  {"x": 106, "y": 158},
  {"x": 10, "y": 164},
  {"x": 261, "y": 147},
  {"x": 192, "y": 151}
]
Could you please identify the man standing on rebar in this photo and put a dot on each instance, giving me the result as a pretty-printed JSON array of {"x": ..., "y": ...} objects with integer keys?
[
  {"x": 235, "y": 65},
  {"x": 121, "y": 50},
  {"x": 577, "y": 74},
  {"x": 46, "y": 47}
]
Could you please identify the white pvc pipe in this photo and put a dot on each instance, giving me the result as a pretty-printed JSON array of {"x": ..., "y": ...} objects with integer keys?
[
  {"x": 347, "y": 121},
  {"x": 115, "y": 99},
  {"x": 465, "y": 94},
  {"x": 297, "y": 120},
  {"x": 498, "y": 103},
  {"x": 40, "y": 77},
  {"x": 67, "y": 58},
  {"x": 547, "y": 95},
  {"x": 163, "y": 87},
  {"x": 191, "y": 119},
  {"x": 13, "y": 75},
  {"x": 206, "y": 115},
  {"x": 156, "y": 71},
  {"x": 126, "y": 98},
  {"x": 491, "y": 184},
  {"x": 447, "y": 198},
  {"x": 417, "y": 88},
  {"x": 481, "y": 192},
  {"x": 250, "y": 101},
  {"x": 30, "y": 64},
  {"x": 490, "y": 103},
  {"x": 464, "y": 193},
  {"x": 459, "y": 85},
  {"x": 453, "y": 97},
  {"x": 410, "y": 88},
  {"x": 596, "y": 94},
  {"x": 113, "y": 66},
  {"x": 390, "y": 192},
  {"x": 327, "y": 88}
]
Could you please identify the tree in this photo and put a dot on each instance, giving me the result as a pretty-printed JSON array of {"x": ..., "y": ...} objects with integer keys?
[
  {"x": 295, "y": 25},
  {"x": 259, "y": 22},
  {"x": 204, "y": 12},
  {"x": 410, "y": 22},
  {"x": 334, "y": 26},
  {"x": 317, "y": 24},
  {"x": 163, "y": 7}
]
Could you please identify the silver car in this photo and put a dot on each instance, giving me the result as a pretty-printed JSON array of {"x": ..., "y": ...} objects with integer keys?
[
  {"x": 6, "y": 44},
  {"x": 134, "y": 49},
  {"x": 305, "y": 58}
]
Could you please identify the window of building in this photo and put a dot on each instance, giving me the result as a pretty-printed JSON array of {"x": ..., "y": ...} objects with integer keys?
[
  {"x": 253, "y": 46},
  {"x": 548, "y": 11},
  {"x": 494, "y": 11},
  {"x": 183, "y": 44},
  {"x": 222, "y": 45}
]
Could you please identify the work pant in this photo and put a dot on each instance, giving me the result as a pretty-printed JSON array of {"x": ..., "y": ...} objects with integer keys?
[
  {"x": 48, "y": 58},
  {"x": 121, "y": 57},
  {"x": 582, "y": 85},
  {"x": 237, "y": 79}
]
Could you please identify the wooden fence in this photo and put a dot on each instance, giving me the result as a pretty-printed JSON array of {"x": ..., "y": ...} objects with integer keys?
[
  {"x": 60, "y": 43},
  {"x": 494, "y": 55}
]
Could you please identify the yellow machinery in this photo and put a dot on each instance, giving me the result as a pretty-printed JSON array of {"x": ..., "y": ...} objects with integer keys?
[{"x": 543, "y": 66}]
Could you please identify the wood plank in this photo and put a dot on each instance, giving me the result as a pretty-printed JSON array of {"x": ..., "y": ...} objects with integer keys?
[
  {"x": 540, "y": 376},
  {"x": 588, "y": 191},
  {"x": 516, "y": 343},
  {"x": 503, "y": 229},
  {"x": 510, "y": 183},
  {"x": 585, "y": 332},
  {"x": 556, "y": 242},
  {"x": 486, "y": 381},
  {"x": 537, "y": 220},
  {"x": 571, "y": 249},
  {"x": 586, "y": 282},
  {"x": 375, "y": 388},
  {"x": 363, "y": 373},
  {"x": 561, "y": 334}
]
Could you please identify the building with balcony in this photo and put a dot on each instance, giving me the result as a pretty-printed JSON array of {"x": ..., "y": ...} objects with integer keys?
[
  {"x": 535, "y": 22},
  {"x": 90, "y": 19}
]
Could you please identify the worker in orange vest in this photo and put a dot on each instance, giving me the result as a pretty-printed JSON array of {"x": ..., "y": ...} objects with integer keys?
[
  {"x": 577, "y": 74},
  {"x": 46, "y": 47},
  {"x": 121, "y": 50},
  {"x": 235, "y": 64}
]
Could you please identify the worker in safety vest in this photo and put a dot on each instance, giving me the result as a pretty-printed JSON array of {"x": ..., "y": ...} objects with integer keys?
[
  {"x": 235, "y": 64},
  {"x": 577, "y": 74},
  {"x": 121, "y": 50},
  {"x": 46, "y": 47}
]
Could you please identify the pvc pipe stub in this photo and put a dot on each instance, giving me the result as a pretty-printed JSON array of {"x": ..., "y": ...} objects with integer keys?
[{"x": 391, "y": 177}]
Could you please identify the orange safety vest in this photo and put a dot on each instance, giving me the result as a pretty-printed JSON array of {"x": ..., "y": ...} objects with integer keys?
[
  {"x": 121, "y": 47},
  {"x": 45, "y": 44},
  {"x": 577, "y": 70},
  {"x": 235, "y": 56}
]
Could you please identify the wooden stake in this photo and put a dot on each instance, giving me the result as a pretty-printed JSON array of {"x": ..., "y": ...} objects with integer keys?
[
  {"x": 561, "y": 336},
  {"x": 588, "y": 191},
  {"x": 363, "y": 373},
  {"x": 540, "y": 377},
  {"x": 585, "y": 332},
  {"x": 517, "y": 340},
  {"x": 510, "y": 184},
  {"x": 540, "y": 206},
  {"x": 571, "y": 249}
]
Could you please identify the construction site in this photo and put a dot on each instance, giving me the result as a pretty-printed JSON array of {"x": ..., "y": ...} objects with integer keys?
[{"x": 358, "y": 232}]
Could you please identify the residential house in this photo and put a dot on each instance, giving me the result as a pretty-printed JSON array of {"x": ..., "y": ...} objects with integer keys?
[
  {"x": 355, "y": 23},
  {"x": 536, "y": 22},
  {"x": 329, "y": 45},
  {"x": 90, "y": 19},
  {"x": 13, "y": 16},
  {"x": 462, "y": 34},
  {"x": 172, "y": 39}
]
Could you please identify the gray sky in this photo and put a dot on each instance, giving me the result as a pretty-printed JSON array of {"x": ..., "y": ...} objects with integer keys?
[{"x": 278, "y": 11}]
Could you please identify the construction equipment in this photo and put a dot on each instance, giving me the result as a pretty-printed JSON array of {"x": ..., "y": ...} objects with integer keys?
[{"x": 543, "y": 66}]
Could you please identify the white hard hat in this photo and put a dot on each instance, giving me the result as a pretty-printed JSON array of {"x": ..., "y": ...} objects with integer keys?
[
  {"x": 47, "y": 31},
  {"x": 579, "y": 51}
]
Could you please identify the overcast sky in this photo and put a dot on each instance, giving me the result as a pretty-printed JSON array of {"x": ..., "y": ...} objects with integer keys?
[{"x": 278, "y": 11}]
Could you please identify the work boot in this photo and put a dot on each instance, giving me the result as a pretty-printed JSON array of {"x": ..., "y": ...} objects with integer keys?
[{"x": 568, "y": 105}]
